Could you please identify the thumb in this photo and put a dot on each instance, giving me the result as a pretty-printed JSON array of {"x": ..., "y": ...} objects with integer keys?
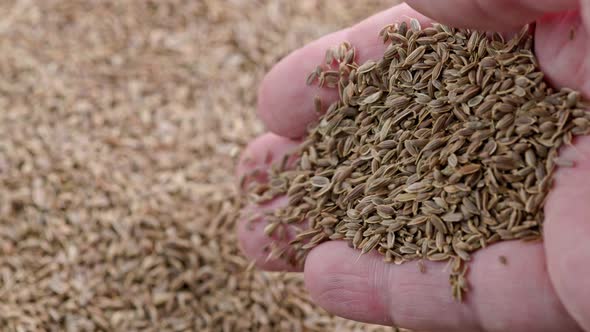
[
  {"x": 567, "y": 232},
  {"x": 513, "y": 297}
]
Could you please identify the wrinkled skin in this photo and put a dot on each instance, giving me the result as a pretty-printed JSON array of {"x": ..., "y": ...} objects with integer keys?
[{"x": 545, "y": 286}]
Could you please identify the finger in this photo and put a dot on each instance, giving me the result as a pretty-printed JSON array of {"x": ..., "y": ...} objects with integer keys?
[
  {"x": 496, "y": 15},
  {"x": 567, "y": 232},
  {"x": 513, "y": 297},
  {"x": 286, "y": 103},
  {"x": 263, "y": 152},
  {"x": 259, "y": 155},
  {"x": 257, "y": 246},
  {"x": 562, "y": 45}
]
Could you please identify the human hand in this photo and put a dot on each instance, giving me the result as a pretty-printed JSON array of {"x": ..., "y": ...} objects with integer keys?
[{"x": 544, "y": 287}]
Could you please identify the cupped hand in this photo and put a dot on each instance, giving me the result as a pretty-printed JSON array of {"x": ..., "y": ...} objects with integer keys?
[{"x": 544, "y": 286}]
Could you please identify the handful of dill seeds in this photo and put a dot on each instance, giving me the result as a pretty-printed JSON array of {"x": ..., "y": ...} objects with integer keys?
[{"x": 442, "y": 147}]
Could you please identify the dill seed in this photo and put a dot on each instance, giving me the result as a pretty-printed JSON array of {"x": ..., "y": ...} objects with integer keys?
[{"x": 444, "y": 145}]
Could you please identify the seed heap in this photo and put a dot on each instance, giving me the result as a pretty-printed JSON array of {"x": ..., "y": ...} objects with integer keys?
[{"x": 445, "y": 145}]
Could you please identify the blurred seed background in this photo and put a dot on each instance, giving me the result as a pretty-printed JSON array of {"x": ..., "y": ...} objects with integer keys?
[{"x": 120, "y": 124}]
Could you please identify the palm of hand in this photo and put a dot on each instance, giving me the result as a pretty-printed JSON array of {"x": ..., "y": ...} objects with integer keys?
[{"x": 543, "y": 287}]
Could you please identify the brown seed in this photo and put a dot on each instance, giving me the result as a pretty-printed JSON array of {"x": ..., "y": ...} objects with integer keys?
[
  {"x": 371, "y": 244},
  {"x": 438, "y": 224},
  {"x": 366, "y": 67},
  {"x": 406, "y": 197},
  {"x": 385, "y": 209},
  {"x": 452, "y": 217},
  {"x": 415, "y": 24},
  {"x": 469, "y": 169},
  {"x": 415, "y": 55},
  {"x": 318, "y": 104},
  {"x": 371, "y": 98},
  {"x": 431, "y": 153},
  {"x": 418, "y": 187},
  {"x": 319, "y": 181}
]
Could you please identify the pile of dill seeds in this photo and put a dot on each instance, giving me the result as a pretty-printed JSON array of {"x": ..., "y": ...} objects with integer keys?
[{"x": 442, "y": 147}]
